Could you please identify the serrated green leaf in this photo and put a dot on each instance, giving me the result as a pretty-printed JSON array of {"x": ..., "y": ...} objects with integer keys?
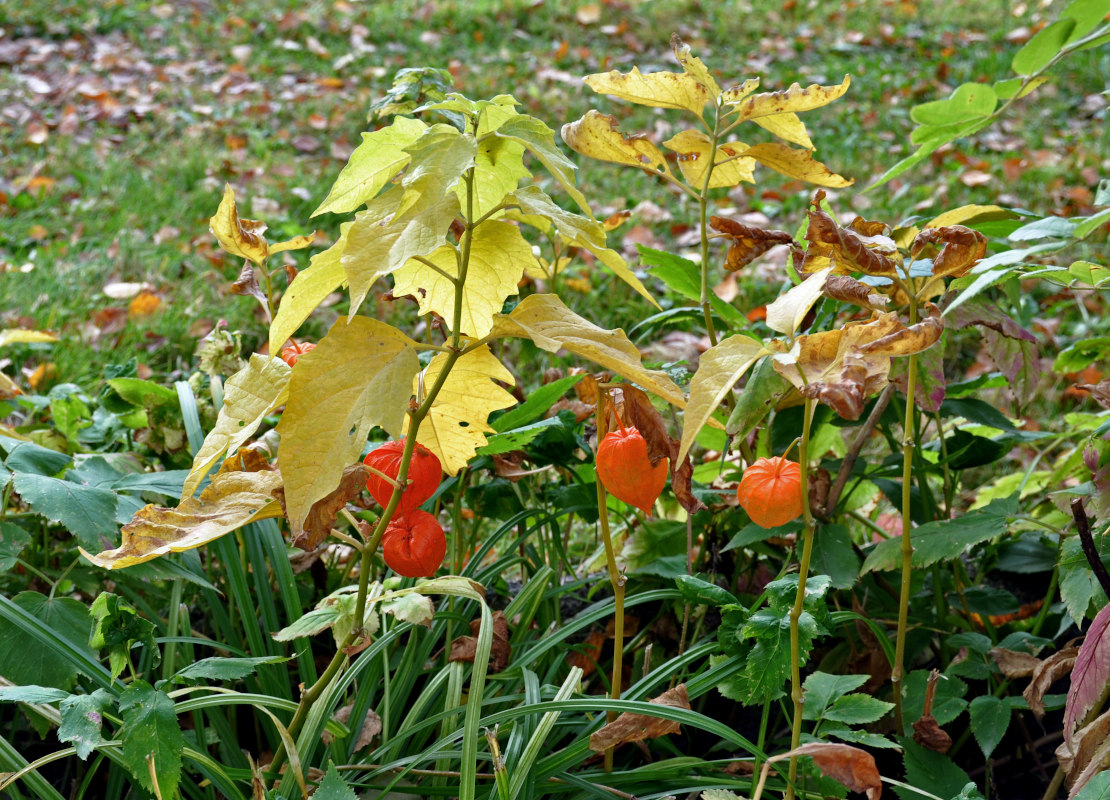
[
  {"x": 30, "y": 457},
  {"x": 87, "y": 512},
  {"x": 150, "y": 731},
  {"x": 1098, "y": 788},
  {"x": 934, "y": 770},
  {"x": 224, "y": 669},
  {"x": 507, "y": 441},
  {"x": 537, "y": 404},
  {"x": 858, "y": 737},
  {"x": 701, "y": 592},
  {"x": 13, "y": 540},
  {"x": 990, "y": 717},
  {"x": 380, "y": 156},
  {"x": 26, "y": 659},
  {"x": 333, "y": 787},
  {"x": 948, "y": 703},
  {"x": 822, "y": 688},
  {"x": 1043, "y": 47},
  {"x": 117, "y": 626},
  {"x": 834, "y": 555},
  {"x": 83, "y": 719},
  {"x": 857, "y": 709},
  {"x": 315, "y": 621}
]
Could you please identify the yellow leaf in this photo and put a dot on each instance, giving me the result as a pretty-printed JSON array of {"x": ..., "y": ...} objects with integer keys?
[
  {"x": 693, "y": 159},
  {"x": 240, "y": 237},
  {"x": 380, "y": 156},
  {"x": 249, "y": 395},
  {"x": 596, "y": 135},
  {"x": 736, "y": 94},
  {"x": 498, "y": 254},
  {"x": 695, "y": 68},
  {"x": 8, "y": 389},
  {"x": 296, "y": 243},
  {"x": 581, "y": 231},
  {"x": 786, "y": 126},
  {"x": 379, "y": 243},
  {"x": 965, "y": 214},
  {"x": 787, "y": 312},
  {"x": 458, "y": 423},
  {"x": 546, "y": 320},
  {"x": 719, "y": 369},
  {"x": 498, "y": 170},
  {"x": 360, "y": 375},
  {"x": 233, "y": 500},
  {"x": 324, "y": 275},
  {"x": 792, "y": 100},
  {"x": 439, "y": 158},
  {"x": 24, "y": 336},
  {"x": 796, "y": 164},
  {"x": 656, "y": 89}
]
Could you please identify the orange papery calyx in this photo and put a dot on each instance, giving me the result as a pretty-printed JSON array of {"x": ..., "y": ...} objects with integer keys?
[
  {"x": 424, "y": 474},
  {"x": 414, "y": 545},
  {"x": 771, "y": 491}
]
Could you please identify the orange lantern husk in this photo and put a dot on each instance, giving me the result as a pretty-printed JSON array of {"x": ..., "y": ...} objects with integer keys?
[
  {"x": 626, "y": 472},
  {"x": 771, "y": 491}
]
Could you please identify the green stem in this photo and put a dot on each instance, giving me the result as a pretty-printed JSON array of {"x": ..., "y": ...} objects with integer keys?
[
  {"x": 703, "y": 210},
  {"x": 799, "y": 599}
]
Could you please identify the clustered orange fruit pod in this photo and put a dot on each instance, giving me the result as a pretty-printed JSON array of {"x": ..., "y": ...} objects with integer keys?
[
  {"x": 771, "y": 491},
  {"x": 414, "y": 545},
  {"x": 626, "y": 472},
  {"x": 424, "y": 474},
  {"x": 291, "y": 354}
]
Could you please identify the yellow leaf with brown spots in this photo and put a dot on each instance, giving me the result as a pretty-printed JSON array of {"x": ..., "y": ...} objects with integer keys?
[
  {"x": 597, "y": 135},
  {"x": 238, "y": 236}
]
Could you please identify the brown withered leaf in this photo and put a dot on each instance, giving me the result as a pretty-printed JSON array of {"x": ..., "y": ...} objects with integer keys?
[
  {"x": 586, "y": 388},
  {"x": 587, "y": 657},
  {"x": 639, "y": 411},
  {"x": 510, "y": 465},
  {"x": 247, "y": 283},
  {"x": 960, "y": 248},
  {"x": 1047, "y": 673},
  {"x": 371, "y": 727},
  {"x": 929, "y": 734},
  {"x": 746, "y": 244},
  {"x": 819, "y": 484},
  {"x": 465, "y": 648},
  {"x": 321, "y": 517},
  {"x": 847, "y": 249},
  {"x": 907, "y": 341},
  {"x": 581, "y": 410},
  {"x": 1014, "y": 664},
  {"x": 869, "y": 228},
  {"x": 851, "y": 766},
  {"x": 629, "y": 727},
  {"x": 1099, "y": 391},
  {"x": 245, "y": 459},
  {"x": 1078, "y": 752},
  {"x": 848, "y": 290}
]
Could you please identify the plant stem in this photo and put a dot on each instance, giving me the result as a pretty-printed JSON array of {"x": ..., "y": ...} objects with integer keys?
[
  {"x": 799, "y": 599},
  {"x": 703, "y": 209},
  {"x": 615, "y": 577},
  {"x": 896, "y": 672}
]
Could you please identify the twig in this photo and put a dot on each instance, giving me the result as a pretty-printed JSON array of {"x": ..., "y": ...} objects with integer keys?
[
  {"x": 1083, "y": 525},
  {"x": 845, "y": 470}
]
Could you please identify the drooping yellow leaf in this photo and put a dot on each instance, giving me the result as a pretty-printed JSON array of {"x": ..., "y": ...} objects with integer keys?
[
  {"x": 380, "y": 156},
  {"x": 798, "y": 164},
  {"x": 439, "y": 158},
  {"x": 240, "y": 237},
  {"x": 787, "y": 312},
  {"x": 539, "y": 140},
  {"x": 233, "y": 500},
  {"x": 380, "y": 242},
  {"x": 580, "y": 231},
  {"x": 546, "y": 320},
  {"x": 458, "y": 422},
  {"x": 735, "y": 95},
  {"x": 656, "y": 89},
  {"x": 324, "y": 275},
  {"x": 596, "y": 135},
  {"x": 695, "y": 68},
  {"x": 792, "y": 100},
  {"x": 360, "y": 375},
  {"x": 249, "y": 395},
  {"x": 296, "y": 243},
  {"x": 693, "y": 148},
  {"x": 973, "y": 213},
  {"x": 719, "y": 369},
  {"x": 498, "y": 254},
  {"x": 8, "y": 389},
  {"x": 786, "y": 126},
  {"x": 24, "y": 336}
]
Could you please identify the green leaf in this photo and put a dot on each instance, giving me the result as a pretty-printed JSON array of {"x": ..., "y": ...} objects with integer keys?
[
  {"x": 857, "y": 709},
  {"x": 1012, "y": 87},
  {"x": 117, "y": 626},
  {"x": 1078, "y": 586},
  {"x": 536, "y": 405},
  {"x": 539, "y": 140},
  {"x": 333, "y": 787},
  {"x": 13, "y": 539},
  {"x": 821, "y": 688},
  {"x": 948, "y": 702},
  {"x": 1043, "y": 47},
  {"x": 833, "y": 555},
  {"x": 858, "y": 737},
  {"x": 944, "y": 539},
  {"x": 1098, "y": 788},
  {"x": 928, "y": 768},
  {"x": 380, "y": 156},
  {"x": 765, "y": 387},
  {"x": 498, "y": 170},
  {"x": 223, "y": 669},
  {"x": 1090, "y": 273},
  {"x": 683, "y": 276},
  {"x": 315, "y": 621},
  {"x": 516, "y": 439},
  {"x": 33, "y": 458},
  {"x": 990, "y": 717},
  {"x": 968, "y": 102},
  {"x": 150, "y": 731},
  {"x": 990, "y": 601},
  {"x": 146, "y": 394},
  {"x": 82, "y": 720},
  {"x": 440, "y": 157},
  {"x": 26, "y": 659},
  {"x": 1092, "y": 223},
  {"x": 88, "y": 512},
  {"x": 700, "y": 592},
  {"x": 31, "y": 694},
  {"x": 324, "y": 275},
  {"x": 1046, "y": 228}
]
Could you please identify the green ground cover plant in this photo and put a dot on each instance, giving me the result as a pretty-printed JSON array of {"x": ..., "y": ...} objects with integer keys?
[{"x": 425, "y": 550}]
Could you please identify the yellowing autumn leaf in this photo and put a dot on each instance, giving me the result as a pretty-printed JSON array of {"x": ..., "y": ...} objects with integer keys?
[
  {"x": 380, "y": 241},
  {"x": 360, "y": 375},
  {"x": 249, "y": 395},
  {"x": 796, "y": 164},
  {"x": 792, "y": 100},
  {"x": 695, "y": 68},
  {"x": 380, "y": 156},
  {"x": 458, "y": 423},
  {"x": 730, "y": 168},
  {"x": 233, "y": 500},
  {"x": 498, "y": 254},
  {"x": 656, "y": 89},
  {"x": 440, "y": 157},
  {"x": 596, "y": 135},
  {"x": 498, "y": 170},
  {"x": 24, "y": 336},
  {"x": 296, "y": 243},
  {"x": 787, "y": 312},
  {"x": 240, "y": 237},
  {"x": 733, "y": 96},
  {"x": 546, "y": 320},
  {"x": 324, "y": 275},
  {"x": 719, "y": 369}
]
